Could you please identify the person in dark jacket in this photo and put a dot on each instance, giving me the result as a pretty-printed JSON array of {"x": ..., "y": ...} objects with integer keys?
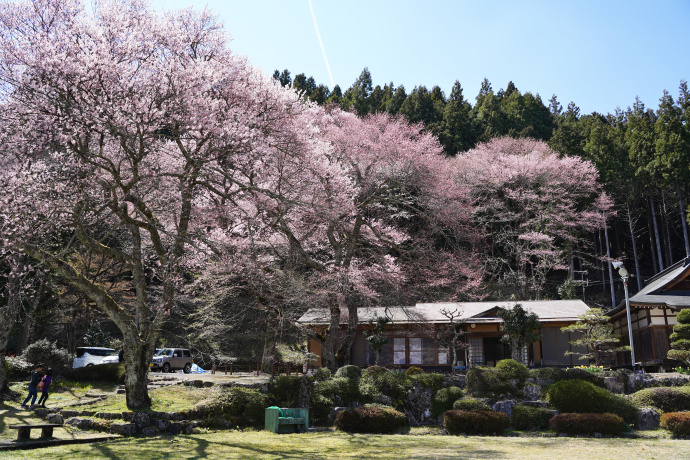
[
  {"x": 44, "y": 388},
  {"x": 33, "y": 385},
  {"x": 121, "y": 355}
]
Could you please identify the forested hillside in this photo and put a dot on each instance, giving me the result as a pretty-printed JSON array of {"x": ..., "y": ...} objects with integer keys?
[{"x": 642, "y": 155}]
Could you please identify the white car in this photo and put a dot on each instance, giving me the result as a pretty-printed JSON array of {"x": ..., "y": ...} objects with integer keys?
[
  {"x": 110, "y": 359},
  {"x": 90, "y": 356}
]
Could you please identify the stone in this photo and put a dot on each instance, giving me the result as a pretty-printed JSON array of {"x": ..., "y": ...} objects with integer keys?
[
  {"x": 81, "y": 423},
  {"x": 532, "y": 392},
  {"x": 614, "y": 385},
  {"x": 140, "y": 419},
  {"x": 647, "y": 419},
  {"x": 180, "y": 428},
  {"x": 417, "y": 405},
  {"x": 505, "y": 406},
  {"x": 125, "y": 429},
  {"x": 69, "y": 413},
  {"x": 334, "y": 413},
  {"x": 150, "y": 431},
  {"x": 109, "y": 415},
  {"x": 638, "y": 381},
  {"x": 208, "y": 384},
  {"x": 120, "y": 391},
  {"x": 55, "y": 418},
  {"x": 162, "y": 425},
  {"x": 542, "y": 404},
  {"x": 42, "y": 412},
  {"x": 597, "y": 435}
]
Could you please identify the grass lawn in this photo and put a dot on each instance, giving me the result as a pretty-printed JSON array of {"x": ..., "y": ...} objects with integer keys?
[
  {"x": 172, "y": 398},
  {"x": 333, "y": 445}
]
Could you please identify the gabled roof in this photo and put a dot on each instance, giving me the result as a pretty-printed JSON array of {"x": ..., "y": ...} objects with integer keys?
[
  {"x": 665, "y": 289},
  {"x": 470, "y": 312}
]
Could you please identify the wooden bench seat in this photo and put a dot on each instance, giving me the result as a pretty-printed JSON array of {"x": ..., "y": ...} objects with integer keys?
[{"x": 24, "y": 431}]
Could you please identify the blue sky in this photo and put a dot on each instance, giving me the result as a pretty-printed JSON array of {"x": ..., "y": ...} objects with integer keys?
[{"x": 599, "y": 54}]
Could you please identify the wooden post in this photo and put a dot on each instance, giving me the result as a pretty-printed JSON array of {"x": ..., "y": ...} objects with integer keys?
[
  {"x": 258, "y": 368},
  {"x": 230, "y": 368},
  {"x": 288, "y": 369}
]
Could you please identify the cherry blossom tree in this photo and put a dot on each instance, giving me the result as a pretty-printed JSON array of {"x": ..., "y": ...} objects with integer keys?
[
  {"x": 127, "y": 128},
  {"x": 534, "y": 206}
]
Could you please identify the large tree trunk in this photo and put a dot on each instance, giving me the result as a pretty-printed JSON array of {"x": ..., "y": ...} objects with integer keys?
[
  {"x": 8, "y": 315},
  {"x": 342, "y": 356},
  {"x": 634, "y": 245},
  {"x": 651, "y": 245},
  {"x": 30, "y": 310},
  {"x": 137, "y": 359},
  {"x": 656, "y": 234},
  {"x": 669, "y": 251},
  {"x": 683, "y": 220},
  {"x": 328, "y": 349}
]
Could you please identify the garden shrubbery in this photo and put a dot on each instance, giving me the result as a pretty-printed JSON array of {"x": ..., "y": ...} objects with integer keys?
[
  {"x": 414, "y": 370},
  {"x": 370, "y": 419},
  {"x": 530, "y": 418},
  {"x": 587, "y": 424},
  {"x": 470, "y": 404},
  {"x": 236, "y": 405},
  {"x": 429, "y": 380},
  {"x": 379, "y": 381},
  {"x": 554, "y": 374},
  {"x": 678, "y": 423},
  {"x": 349, "y": 372},
  {"x": 111, "y": 372},
  {"x": 579, "y": 396},
  {"x": 285, "y": 390},
  {"x": 443, "y": 400},
  {"x": 487, "y": 382},
  {"x": 663, "y": 398},
  {"x": 46, "y": 353},
  {"x": 475, "y": 422},
  {"x": 509, "y": 369}
]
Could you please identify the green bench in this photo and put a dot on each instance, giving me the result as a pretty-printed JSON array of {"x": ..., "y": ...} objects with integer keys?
[
  {"x": 24, "y": 431},
  {"x": 286, "y": 420}
]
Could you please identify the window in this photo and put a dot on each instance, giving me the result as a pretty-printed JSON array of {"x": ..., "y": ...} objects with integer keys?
[
  {"x": 476, "y": 351},
  {"x": 428, "y": 351},
  {"x": 399, "y": 350},
  {"x": 416, "y": 350}
]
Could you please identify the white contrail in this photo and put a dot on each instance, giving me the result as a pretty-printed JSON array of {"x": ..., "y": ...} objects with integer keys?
[{"x": 323, "y": 50}]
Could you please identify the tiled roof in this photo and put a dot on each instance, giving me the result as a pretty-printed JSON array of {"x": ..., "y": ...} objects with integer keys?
[{"x": 470, "y": 312}]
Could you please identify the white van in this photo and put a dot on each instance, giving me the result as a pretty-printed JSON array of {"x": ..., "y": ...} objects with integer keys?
[{"x": 90, "y": 356}]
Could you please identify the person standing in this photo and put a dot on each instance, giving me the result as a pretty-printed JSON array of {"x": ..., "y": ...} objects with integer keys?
[
  {"x": 33, "y": 385},
  {"x": 45, "y": 385},
  {"x": 121, "y": 355}
]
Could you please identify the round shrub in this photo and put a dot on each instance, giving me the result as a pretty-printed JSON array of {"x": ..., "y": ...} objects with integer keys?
[
  {"x": 349, "y": 372},
  {"x": 414, "y": 370},
  {"x": 475, "y": 422},
  {"x": 683, "y": 316},
  {"x": 663, "y": 398},
  {"x": 321, "y": 373},
  {"x": 550, "y": 374},
  {"x": 578, "y": 396},
  {"x": 285, "y": 390},
  {"x": 530, "y": 418},
  {"x": 486, "y": 382},
  {"x": 443, "y": 400},
  {"x": 584, "y": 374},
  {"x": 46, "y": 353},
  {"x": 341, "y": 391},
  {"x": 370, "y": 419},
  {"x": 471, "y": 404},
  {"x": 587, "y": 424},
  {"x": 234, "y": 406},
  {"x": 431, "y": 380},
  {"x": 509, "y": 369},
  {"x": 678, "y": 423},
  {"x": 379, "y": 381}
]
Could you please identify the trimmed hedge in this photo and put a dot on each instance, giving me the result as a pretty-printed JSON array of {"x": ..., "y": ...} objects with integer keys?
[
  {"x": 112, "y": 372},
  {"x": 349, "y": 372},
  {"x": 330, "y": 393},
  {"x": 475, "y": 422},
  {"x": 443, "y": 400},
  {"x": 470, "y": 404},
  {"x": 509, "y": 369},
  {"x": 431, "y": 380},
  {"x": 285, "y": 390},
  {"x": 530, "y": 418},
  {"x": 236, "y": 406},
  {"x": 664, "y": 398},
  {"x": 487, "y": 382},
  {"x": 555, "y": 374},
  {"x": 578, "y": 424},
  {"x": 377, "y": 381},
  {"x": 578, "y": 396},
  {"x": 370, "y": 419},
  {"x": 414, "y": 370},
  {"x": 678, "y": 423}
]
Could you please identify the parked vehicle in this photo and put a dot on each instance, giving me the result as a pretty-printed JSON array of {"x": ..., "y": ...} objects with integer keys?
[
  {"x": 114, "y": 358},
  {"x": 90, "y": 356},
  {"x": 172, "y": 359}
]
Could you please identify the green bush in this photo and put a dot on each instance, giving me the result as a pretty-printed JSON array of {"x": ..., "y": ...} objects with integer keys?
[
  {"x": 663, "y": 398},
  {"x": 112, "y": 372},
  {"x": 349, "y": 372},
  {"x": 414, "y": 370},
  {"x": 475, "y": 422},
  {"x": 236, "y": 406},
  {"x": 678, "y": 423},
  {"x": 285, "y": 390},
  {"x": 587, "y": 424},
  {"x": 578, "y": 396},
  {"x": 377, "y": 381},
  {"x": 443, "y": 400},
  {"x": 487, "y": 382},
  {"x": 370, "y": 419},
  {"x": 17, "y": 368},
  {"x": 509, "y": 369},
  {"x": 431, "y": 380},
  {"x": 552, "y": 374},
  {"x": 530, "y": 418},
  {"x": 46, "y": 353},
  {"x": 471, "y": 404},
  {"x": 321, "y": 373},
  {"x": 683, "y": 316},
  {"x": 584, "y": 374},
  {"x": 341, "y": 391}
]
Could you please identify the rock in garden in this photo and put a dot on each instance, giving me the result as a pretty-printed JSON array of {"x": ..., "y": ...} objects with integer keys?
[
  {"x": 150, "y": 431},
  {"x": 81, "y": 423},
  {"x": 505, "y": 406},
  {"x": 614, "y": 385},
  {"x": 647, "y": 419},
  {"x": 140, "y": 419},
  {"x": 162, "y": 425},
  {"x": 532, "y": 392},
  {"x": 125, "y": 429},
  {"x": 55, "y": 418}
]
